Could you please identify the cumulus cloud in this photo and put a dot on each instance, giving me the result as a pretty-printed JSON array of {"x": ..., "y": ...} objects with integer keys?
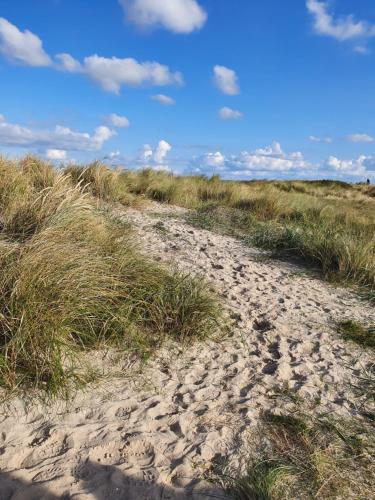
[
  {"x": 359, "y": 167},
  {"x": 155, "y": 158},
  {"x": 163, "y": 99},
  {"x": 109, "y": 73},
  {"x": 118, "y": 121},
  {"x": 56, "y": 154},
  {"x": 229, "y": 114},
  {"x": 216, "y": 160},
  {"x": 59, "y": 138},
  {"x": 161, "y": 151},
  {"x": 21, "y": 46},
  {"x": 113, "y": 73},
  {"x": 360, "y": 138},
  {"x": 343, "y": 28},
  {"x": 314, "y": 138},
  {"x": 178, "y": 16},
  {"x": 263, "y": 162},
  {"x": 225, "y": 80}
]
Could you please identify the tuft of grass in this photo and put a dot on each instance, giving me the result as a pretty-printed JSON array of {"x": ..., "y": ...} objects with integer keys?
[
  {"x": 300, "y": 456},
  {"x": 101, "y": 182},
  {"x": 354, "y": 331},
  {"x": 72, "y": 279}
]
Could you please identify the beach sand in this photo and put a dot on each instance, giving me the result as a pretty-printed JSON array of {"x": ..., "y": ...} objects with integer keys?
[{"x": 152, "y": 431}]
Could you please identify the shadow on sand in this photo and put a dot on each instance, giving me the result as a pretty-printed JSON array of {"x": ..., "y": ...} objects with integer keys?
[{"x": 94, "y": 481}]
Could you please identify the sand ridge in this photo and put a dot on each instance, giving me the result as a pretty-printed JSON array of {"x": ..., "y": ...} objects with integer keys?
[{"x": 152, "y": 436}]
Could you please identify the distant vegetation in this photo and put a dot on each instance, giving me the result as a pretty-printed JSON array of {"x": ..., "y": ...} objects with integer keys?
[{"x": 71, "y": 278}]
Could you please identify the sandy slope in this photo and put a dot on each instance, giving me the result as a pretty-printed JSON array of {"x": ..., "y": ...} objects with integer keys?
[{"x": 149, "y": 436}]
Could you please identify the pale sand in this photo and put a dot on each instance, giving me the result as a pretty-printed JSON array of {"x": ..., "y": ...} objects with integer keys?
[{"x": 150, "y": 435}]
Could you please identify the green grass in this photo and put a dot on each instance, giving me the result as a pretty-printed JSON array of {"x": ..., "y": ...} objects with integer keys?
[
  {"x": 72, "y": 279},
  {"x": 303, "y": 456},
  {"x": 354, "y": 331}
]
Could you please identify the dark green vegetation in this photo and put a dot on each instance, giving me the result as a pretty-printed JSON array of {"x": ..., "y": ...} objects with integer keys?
[
  {"x": 351, "y": 330},
  {"x": 304, "y": 457},
  {"x": 71, "y": 279}
]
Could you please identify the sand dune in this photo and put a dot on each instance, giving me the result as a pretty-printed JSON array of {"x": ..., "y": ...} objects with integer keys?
[{"x": 152, "y": 433}]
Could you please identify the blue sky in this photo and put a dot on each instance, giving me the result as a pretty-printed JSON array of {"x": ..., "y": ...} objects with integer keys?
[{"x": 242, "y": 88}]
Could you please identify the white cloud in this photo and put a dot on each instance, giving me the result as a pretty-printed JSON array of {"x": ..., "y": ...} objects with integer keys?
[
  {"x": 109, "y": 73},
  {"x": 118, "y": 121},
  {"x": 229, "y": 114},
  {"x": 59, "y": 138},
  {"x": 155, "y": 158},
  {"x": 114, "y": 154},
  {"x": 362, "y": 49},
  {"x": 112, "y": 73},
  {"x": 259, "y": 163},
  {"x": 178, "y": 16},
  {"x": 314, "y": 138},
  {"x": 272, "y": 158},
  {"x": 342, "y": 29},
  {"x": 225, "y": 80},
  {"x": 21, "y": 47},
  {"x": 161, "y": 151},
  {"x": 56, "y": 154},
  {"x": 163, "y": 99},
  {"x": 360, "y": 167},
  {"x": 67, "y": 63},
  {"x": 360, "y": 138},
  {"x": 214, "y": 160}
]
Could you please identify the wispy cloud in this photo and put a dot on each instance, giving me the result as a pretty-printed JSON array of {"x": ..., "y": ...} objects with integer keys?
[
  {"x": 341, "y": 28},
  {"x": 163, "y": 99},
  {"x": 360, "y": 138},
  {"x": 327, "y": 139},
  {"x": 229, "y": 114}
]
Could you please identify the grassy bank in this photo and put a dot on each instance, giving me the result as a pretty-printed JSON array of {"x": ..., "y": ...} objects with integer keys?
[{"x": 71, "y": 279}]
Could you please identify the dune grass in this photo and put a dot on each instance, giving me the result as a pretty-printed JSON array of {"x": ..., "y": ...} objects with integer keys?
[
  {"x": 295, "y": 455},
  {"x": 71, "y": 279},
  {"x": 354, "y": 331},
  {"x": 329, "y": 224},
  {"x": 101, "y": 182}
]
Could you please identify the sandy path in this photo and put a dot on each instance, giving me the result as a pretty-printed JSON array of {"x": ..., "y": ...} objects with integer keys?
[{"x": 151, "y": 435}]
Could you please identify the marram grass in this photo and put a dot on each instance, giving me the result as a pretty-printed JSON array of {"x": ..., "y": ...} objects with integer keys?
[{"x": 71, "y": 279}]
